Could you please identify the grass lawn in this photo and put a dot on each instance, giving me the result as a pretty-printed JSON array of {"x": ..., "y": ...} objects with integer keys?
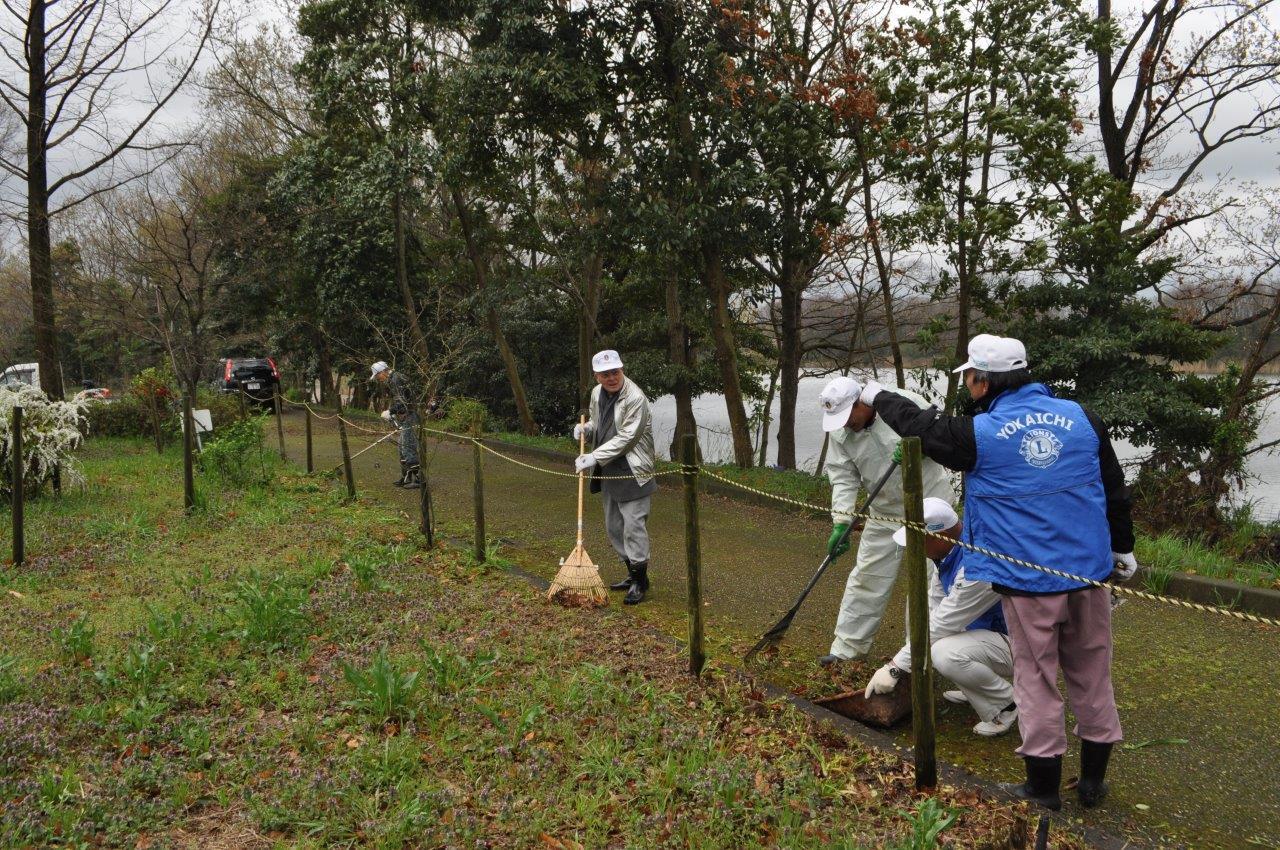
[{"x": 282, "y": 669}]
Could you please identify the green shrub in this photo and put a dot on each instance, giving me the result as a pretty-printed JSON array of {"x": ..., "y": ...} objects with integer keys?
[
  {"x": 131, "y": 416},
  {"x": 224, "y": 408},
  {"x": 295, "y": 395},
  {"x": 463, "y": 412},
  {"x": 233, "y": 454}
]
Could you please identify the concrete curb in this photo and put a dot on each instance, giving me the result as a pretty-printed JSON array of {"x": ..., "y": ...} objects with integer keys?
[{"x": 1193, "y": 588}]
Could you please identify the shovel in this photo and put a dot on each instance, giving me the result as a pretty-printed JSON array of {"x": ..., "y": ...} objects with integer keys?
[{"x": 774, "y": 636}]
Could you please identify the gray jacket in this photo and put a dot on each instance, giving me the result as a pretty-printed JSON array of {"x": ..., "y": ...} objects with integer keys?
[{"x": 634, "y": 423}]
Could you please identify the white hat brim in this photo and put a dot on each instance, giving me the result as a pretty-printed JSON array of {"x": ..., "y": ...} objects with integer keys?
[
  {"x": 900, "y": 537},
  {"x": 836, "y": 419},
  {"x": 968, "y": 364}
]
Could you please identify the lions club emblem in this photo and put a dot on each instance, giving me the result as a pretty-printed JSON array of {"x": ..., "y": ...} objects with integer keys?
[{"x": 1040, "y": 447}]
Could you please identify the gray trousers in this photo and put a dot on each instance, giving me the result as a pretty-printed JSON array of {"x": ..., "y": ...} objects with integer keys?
[
  {"x": 627, "y": 524},
  {"x": 407, "y": 442}
]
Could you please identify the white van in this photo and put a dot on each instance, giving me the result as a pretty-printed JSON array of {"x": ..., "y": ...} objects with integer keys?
[{"x": 21, "y": 373}]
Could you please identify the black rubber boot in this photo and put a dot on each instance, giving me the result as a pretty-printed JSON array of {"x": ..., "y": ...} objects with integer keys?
[
  {"x": 1044, "y": 777},
  {"x": 1093, "y": 769},
  {"x": 639, "y": 585},
  {"x": 626, "y": 583},
  {"x": 412, "y": 479},
  {"x": 404, "y": 474}
]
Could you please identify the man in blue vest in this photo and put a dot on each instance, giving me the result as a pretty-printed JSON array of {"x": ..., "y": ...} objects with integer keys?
[
  {"x": 1042, "y": 485},
  {"x": 969, "y": 641}
]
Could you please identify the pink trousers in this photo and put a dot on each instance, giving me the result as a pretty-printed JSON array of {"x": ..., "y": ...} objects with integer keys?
[{"x": 1071, "y": 631}]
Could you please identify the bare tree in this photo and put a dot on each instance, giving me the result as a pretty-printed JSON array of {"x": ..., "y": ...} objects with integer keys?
[{"x": 98, "y": 73}]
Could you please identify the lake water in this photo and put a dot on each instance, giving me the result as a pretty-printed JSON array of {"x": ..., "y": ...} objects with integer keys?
[{"x": 1263, "y": 488}]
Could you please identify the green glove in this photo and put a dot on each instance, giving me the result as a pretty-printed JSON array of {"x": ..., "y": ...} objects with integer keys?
[
  {"x": 835, "y": 546},
  {"x": 897, "y": 454}
]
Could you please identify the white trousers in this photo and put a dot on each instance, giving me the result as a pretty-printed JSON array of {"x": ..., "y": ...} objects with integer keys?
[
  {"x": 980, "y": 662},
  {"x": 867, "y": 591}
]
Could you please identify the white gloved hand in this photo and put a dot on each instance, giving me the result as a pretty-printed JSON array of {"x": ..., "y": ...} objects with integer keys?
[
  {"x": 882, "y": 682},
  {"x": 580, "y": 430},
  {"x": 1126, "y": 565},
  {"x": 584, "y": 462},
  {"x": 386, "y": 414},
  {"x": 869, "y": 392}
]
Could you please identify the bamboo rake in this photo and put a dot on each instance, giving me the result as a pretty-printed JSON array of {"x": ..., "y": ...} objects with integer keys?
[{"x": 577, "y": 572}]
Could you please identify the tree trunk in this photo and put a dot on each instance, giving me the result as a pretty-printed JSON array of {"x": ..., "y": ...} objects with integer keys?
[
  {"x": 588, "y": 315},
  {"x": 38, "y": 243},
  {"x": 406, "y": 293},
  {"x": 678, "y": 354},
  {"x": 882, "y": 268},
  {"x": 762, "y": 456},
  {"x": 527, "y": 425},
  {"x": 717, "y": 284},
  {"x": 1228, "y": 455},
  {"x": 326, "y": 373},
  {"x": 789, "y": 353}
]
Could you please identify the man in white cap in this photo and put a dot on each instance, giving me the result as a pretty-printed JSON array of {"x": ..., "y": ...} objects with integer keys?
[
  {"x": 621, "y": 463},
  {"x": 969, "y": 642},
  {"x": 402, "y": 412},
  {"x": 1042, "y": 486},
  {"x": 860, "y": 452}
]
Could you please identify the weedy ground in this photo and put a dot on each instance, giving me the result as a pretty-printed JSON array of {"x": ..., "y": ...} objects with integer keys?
[{"x": 283, "y": 669}]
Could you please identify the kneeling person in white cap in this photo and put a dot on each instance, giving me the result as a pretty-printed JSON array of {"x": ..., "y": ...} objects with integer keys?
[
  {"x": 967, "y": 633},
  {"x": 860, "y": 452},
  {"x": 621, "y": 464}
]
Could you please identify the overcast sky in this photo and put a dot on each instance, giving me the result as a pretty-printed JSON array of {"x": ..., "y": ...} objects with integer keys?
[{"x": 1252, "y": 160}]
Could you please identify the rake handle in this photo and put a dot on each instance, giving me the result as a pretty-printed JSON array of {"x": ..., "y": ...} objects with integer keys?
[{"x": 582, "y": 475}]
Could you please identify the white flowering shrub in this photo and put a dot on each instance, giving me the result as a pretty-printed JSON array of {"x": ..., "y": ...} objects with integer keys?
[{"x": 51, "y": 432}]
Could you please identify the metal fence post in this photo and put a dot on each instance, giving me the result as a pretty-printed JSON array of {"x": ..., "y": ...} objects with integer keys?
[
  {"x": 15, "y": 443},
  {"x": 922, "y": 708},
  {"x": 693, "y": 553},
  {"x": 478, "y": 490}
]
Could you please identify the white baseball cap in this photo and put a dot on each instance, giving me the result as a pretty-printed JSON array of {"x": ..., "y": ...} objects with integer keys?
[
  {"x": 605, "y": 361},
  {"x": 378, "y": 368},
  {"x": 938, "y": 516},
  {"x": 836, "y": 399},
  {"x": 995, "y": 354}
]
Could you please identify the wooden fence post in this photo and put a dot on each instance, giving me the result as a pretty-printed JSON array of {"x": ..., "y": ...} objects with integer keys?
[
  {"x": 424, "y": 492},
  {"x": 922, "y": 708},
  {"x": 478, "y": 489},
  {"x": 15, "y": 444},
  {"x": 188, "y": 461},
  {"x": 279, "y": 423},
  {"x": 693, "y": 553},
  {"x": 346, "y": 454},
  {"x": 310, "y": 462},
  {"x": 244, "y": 411}
]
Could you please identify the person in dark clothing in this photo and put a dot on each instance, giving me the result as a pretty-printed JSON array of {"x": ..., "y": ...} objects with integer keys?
[
  {"x": 403, "y": 412},
  {"x": 1042, "y": 484}
]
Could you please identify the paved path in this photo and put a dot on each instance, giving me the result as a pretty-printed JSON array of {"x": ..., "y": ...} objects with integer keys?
[{"x": 1179, "y": 675}]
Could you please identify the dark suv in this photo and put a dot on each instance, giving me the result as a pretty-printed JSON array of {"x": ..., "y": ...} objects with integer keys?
[{"x": 257, "y": 377}]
